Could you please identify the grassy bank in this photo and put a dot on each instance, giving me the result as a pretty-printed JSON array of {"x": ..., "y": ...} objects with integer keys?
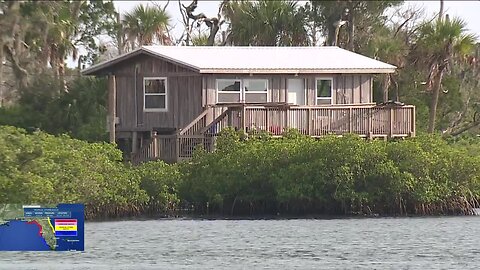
[{"x": 292, "y": 176}]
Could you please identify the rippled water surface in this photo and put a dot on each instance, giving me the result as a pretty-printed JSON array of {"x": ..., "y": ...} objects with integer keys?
[{"x": 383, "y": 243}]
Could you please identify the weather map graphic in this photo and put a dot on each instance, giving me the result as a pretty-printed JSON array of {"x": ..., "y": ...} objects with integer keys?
[{"x": 42, "y": 228}]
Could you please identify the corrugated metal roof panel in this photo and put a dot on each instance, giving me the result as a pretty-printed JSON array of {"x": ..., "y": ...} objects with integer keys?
[
  {"x": 269, "y": 59},
  {"x": 261, "y": 59}
]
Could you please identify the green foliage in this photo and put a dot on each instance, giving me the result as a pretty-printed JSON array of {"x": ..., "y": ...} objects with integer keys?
[
  {"x": 80, "y": 112},
  {"x": 146, "y": 25},
  {"x": 332, "y": 175},
  {"x": 266, "y": 23},
  {"x": 42, "y": 168},
  {"x": 250, "y": 175},
  {"x": 367, "y": 15},
  {"x": 160, "y": 181}
]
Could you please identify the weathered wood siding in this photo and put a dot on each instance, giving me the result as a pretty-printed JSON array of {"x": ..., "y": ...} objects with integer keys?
[
  {"x": 353, "y": 89},
  {"x": 184, "y": 95},
  {"x": 347, "y": 89}
]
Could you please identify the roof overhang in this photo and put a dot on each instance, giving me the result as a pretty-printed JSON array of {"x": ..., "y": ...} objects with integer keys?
[
  {"x": 297, "y": 71},
  {"x": 98, "y": 68},
  {"x": 103, "y": 68}
]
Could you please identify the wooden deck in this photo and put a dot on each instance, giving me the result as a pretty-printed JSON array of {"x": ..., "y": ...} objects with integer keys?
[{"x": 366, "y": 120}]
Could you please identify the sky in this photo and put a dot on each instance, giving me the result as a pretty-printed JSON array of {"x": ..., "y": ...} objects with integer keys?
[{"x": 467, "y": 10}]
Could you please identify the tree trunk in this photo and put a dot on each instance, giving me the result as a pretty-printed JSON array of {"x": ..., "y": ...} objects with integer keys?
[
  {"x": 440, "y": 13},
  {"x": 61, "y": 75},
  {"x": 465, "y": 128},
  {"x": 434, "y": 101},
  {"x": 120, "y": 38},
  {"x": 335, "y": 39},
  {"x": 21, "y": 74},
  {"x": 351, "y": 30},
  {"x": 214, "y": 27},
  {"x": 1, "y": 76}
]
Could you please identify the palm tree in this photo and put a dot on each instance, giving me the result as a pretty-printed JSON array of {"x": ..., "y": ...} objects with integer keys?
[
  {"x": 61, "y": 21},
  {"x": 266, "y": 23},
  {"x": 146, "y": 25},
  {"x": 389, "y": 47},
  {"x": 200, "y": 40},
  {"x": 440, "y": 43}
]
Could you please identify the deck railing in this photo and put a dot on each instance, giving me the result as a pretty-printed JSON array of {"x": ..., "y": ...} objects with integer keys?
[
  {"x": 367, "y": 121},
  {"x": 388, "y": 121}
]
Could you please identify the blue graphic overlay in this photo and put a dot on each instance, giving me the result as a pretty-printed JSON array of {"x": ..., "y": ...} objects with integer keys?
[{"x": 41, "y": 228}]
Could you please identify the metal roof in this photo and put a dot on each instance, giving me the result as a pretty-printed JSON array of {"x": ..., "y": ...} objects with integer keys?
[{"x": 259, "y": 59}]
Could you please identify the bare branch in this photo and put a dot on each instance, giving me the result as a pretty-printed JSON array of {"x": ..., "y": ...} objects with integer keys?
[
  {"x": 159, "y": 6},
  {"x": 403, "y": 24},
  {"x": 212, "y": 23}
]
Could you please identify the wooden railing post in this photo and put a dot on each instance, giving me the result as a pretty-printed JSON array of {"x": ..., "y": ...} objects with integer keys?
[
  {"x": 176, "y": 155},
  {"x": 309, "y": 121},
  {"x": 370, "y": 123},
  {"x": 267, "y": 125},
  {"x": 287, "y": 110},
  {"x": 350, "y": 124},
  {"x": 155, "y": 144},
  {"x": 413, "y": 122},
  {"x": 229, "y": 117},
  {"x": 391, "y": 122},
  {"x": 244, "y": 121}
]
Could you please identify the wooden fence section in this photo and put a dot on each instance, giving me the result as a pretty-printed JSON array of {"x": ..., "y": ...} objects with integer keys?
[
  {"x": 370, "y": 121},
  {"x": 173, "y": 148}
]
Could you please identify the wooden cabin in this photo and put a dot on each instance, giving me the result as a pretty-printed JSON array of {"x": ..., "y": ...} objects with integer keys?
[{"x": 166, "y": 100}]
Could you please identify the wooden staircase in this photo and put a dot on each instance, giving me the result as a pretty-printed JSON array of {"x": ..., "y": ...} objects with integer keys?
[{"x": 179, "y": 146}]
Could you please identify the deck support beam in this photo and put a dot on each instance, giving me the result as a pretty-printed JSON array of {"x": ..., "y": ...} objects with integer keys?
[
  {"x": 112, "y": 93},
  {"x": 134, "y": 142}
]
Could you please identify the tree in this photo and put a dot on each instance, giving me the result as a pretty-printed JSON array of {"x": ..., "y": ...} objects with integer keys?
[
  {"x": 266, "y": 23},
  {"x": 440, "y": 43},
  {"x": 358, "y": 18},
  {"x": 391, "y": 44},
  {"x": 213, "y": 23},
  {"x": 38, "y": 36},
  {"x": 146, "y": 25}
]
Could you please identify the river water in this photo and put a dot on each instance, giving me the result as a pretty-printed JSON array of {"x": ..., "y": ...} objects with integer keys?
[{"x": 376, "y": 243}]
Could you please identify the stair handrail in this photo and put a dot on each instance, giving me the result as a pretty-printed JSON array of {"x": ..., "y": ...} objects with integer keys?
[
  {"x": 215, "y": 121},
  {"x": 195, "y": 121}
]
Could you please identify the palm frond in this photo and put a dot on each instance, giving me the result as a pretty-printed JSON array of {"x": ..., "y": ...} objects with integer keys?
[{"x": 146, "y": 24}]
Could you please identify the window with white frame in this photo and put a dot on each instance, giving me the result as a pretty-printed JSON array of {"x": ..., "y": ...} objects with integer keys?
[
  {"x": 228, "y": 90},
  {"x": 237, "y": 90},
  {"x": 324, "y": 91},
  {"x": 155, "y": 94},
  {"x": 255, "y": 90}
]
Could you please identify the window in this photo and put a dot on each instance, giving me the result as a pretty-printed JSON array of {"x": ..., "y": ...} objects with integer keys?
[
  {"x": 230, "y": 90},
  {"x": 155, "y": 94},
  {"x": 255, "y": 90},
  {"x": 324, "y": 91}
]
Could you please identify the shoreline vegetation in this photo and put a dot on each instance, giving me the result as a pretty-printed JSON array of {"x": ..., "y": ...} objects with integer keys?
[{"x": 254, "y": 176}]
